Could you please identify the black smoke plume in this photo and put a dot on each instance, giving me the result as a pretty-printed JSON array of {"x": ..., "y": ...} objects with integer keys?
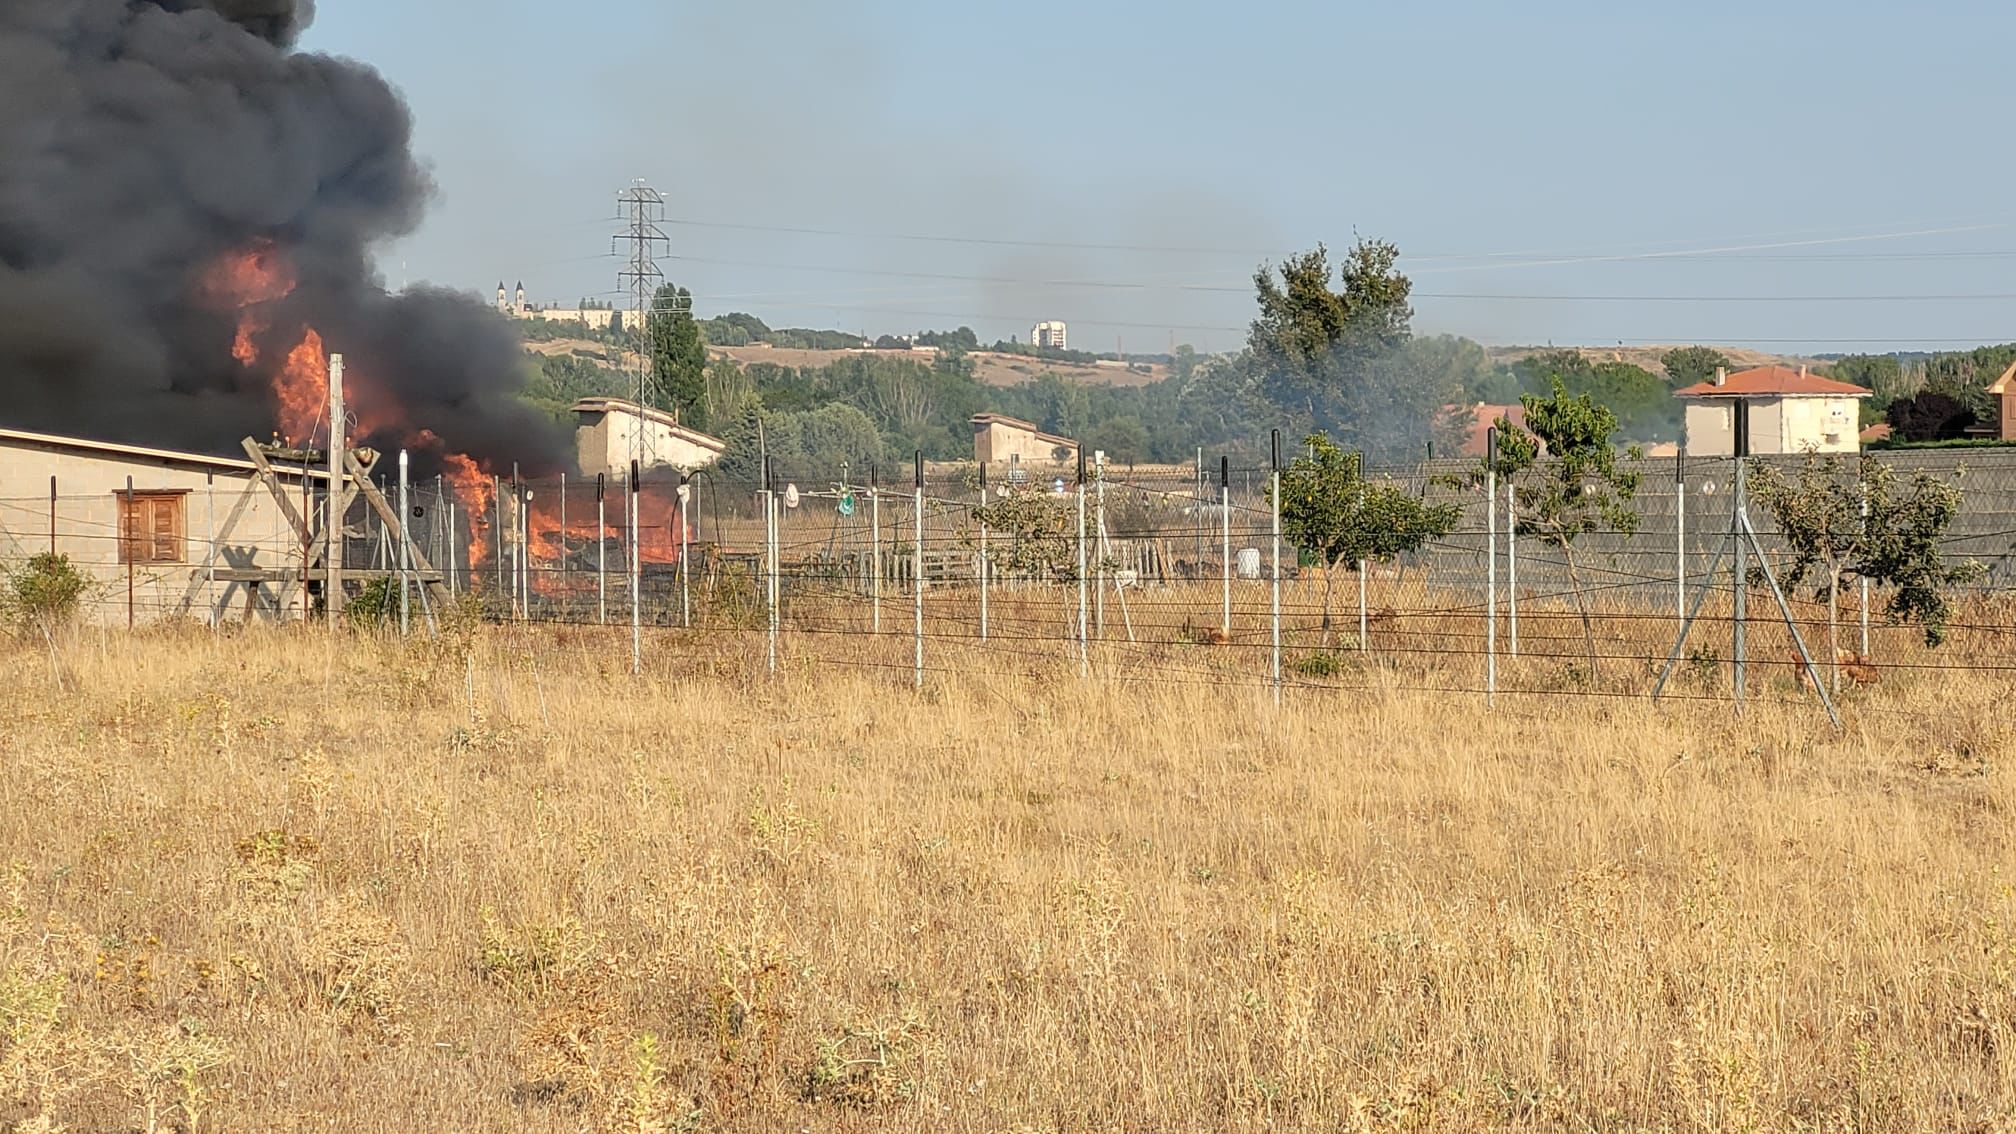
[{"x": 141, "y": 144}]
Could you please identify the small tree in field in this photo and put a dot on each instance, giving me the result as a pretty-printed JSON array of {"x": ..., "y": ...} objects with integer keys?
[
  {"x": 1577, "y": 489},
  {"x": 1031, "y": 534},
  {"x": 1819, "y": 515},
  {"x": 1330, "y": 510}
]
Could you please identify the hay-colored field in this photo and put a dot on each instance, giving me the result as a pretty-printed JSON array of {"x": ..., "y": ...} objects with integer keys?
[{"x": 490, "y": 882}]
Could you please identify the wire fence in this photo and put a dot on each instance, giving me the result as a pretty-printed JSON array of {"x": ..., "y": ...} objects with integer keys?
[{"x": 1145, "y": 573}]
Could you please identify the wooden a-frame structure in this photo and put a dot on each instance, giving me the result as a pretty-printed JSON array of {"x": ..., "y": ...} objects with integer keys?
[{"x": 272, "y": 589}]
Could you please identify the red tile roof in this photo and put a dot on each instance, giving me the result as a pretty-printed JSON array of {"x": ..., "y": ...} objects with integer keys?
[
  {"x": 1773, "y": 382},
  {"x": 1482, "y": 418},
  {"x": 1877, "y": 432}
]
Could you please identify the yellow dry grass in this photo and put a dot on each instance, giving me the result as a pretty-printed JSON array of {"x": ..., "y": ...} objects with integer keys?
[{"x": 491, "y": 883}]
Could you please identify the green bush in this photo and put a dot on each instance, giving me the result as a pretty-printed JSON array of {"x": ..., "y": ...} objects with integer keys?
[
  {"x": 376, "y": 603},
  {"x": 43, "y": 594}
]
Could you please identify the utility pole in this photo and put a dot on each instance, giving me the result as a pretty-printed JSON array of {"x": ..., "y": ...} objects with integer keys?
[{"x": 332, "y": 600}]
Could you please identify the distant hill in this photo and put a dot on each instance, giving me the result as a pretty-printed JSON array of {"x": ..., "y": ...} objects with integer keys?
[
  {"x": 1647, "y": 357},
  {"x": 990, "y": 368}
]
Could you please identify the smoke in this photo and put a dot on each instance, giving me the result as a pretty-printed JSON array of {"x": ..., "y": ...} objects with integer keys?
[{"x": 142, "y": 144}]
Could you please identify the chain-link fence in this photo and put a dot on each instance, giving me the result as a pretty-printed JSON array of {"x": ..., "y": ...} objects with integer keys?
[{"x": 1135, "y": 566}]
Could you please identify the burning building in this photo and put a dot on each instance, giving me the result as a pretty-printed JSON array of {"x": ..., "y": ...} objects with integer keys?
[{"x": 188, "y": 206}]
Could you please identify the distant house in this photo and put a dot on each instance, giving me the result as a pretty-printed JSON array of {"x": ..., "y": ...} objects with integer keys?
[
  {"x": 1476, "y": 421},
  {"x": 2004, "y": 393},
  {"x": 606, "y": 432},
  {"x": 1002, "y": 440},
  {"x": 1790, "y": 411}
]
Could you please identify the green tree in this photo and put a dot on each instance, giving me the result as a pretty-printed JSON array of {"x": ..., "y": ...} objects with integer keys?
[
  {"x": 1644, "y": 404},
  {"x": 1327, "y": 357},
  {"x": 1123, "y": 438},
  {"x": 1331, "y": 510},
  {"x": 678, "y": 354},
  {"x": 1819, "y": 512},
  {"x": 1687, "y": 366},
  {"x": 1576, "y": 489}
]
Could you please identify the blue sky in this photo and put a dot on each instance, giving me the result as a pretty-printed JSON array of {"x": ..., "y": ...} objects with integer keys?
[{"x": 1562, "y": 172}]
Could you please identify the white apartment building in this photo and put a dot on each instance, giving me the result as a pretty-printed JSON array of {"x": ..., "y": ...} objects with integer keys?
[{"x": 1052, "y": 335}]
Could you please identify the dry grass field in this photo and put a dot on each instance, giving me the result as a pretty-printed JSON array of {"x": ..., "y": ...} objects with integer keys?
[{"x": 489, "y": 882}]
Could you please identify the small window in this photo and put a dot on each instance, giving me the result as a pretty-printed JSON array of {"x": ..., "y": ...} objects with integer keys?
[{"x": 151, "y": 527}]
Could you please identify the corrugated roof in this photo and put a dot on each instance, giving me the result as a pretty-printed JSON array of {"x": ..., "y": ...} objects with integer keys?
[{"x": 1774, "y": 382}]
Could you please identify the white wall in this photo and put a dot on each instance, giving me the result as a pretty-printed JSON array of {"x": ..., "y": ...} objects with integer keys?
[
  {"x": 607, "y": 442},
  {"x": 1777, "y": 425},
  {"x": 87, "y": 527}
]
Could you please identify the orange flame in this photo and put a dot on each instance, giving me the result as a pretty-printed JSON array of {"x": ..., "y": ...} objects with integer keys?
[
  {"x": 248, "y": 283},
  {"x": 302, "y": 388},
  {"x": 253, "y": 276}
]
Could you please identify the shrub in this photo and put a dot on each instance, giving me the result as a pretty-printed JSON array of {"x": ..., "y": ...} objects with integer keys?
[
  {"x": 43, "y": 594},
  {"x": 374, "y": 604}
]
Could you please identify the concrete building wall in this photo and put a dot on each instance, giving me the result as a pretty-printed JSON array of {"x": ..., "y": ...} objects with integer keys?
[
  {"x": 88, "y": 510},
  {"x": 597, "y": 319},
  {"x": 1777, "y": 425},
  {"x": 607, "y": 443},
  {"x": 1711, "y": 431},
  {"x": 1000, "y": 443},
  {"x": 1821, "y": 425}
]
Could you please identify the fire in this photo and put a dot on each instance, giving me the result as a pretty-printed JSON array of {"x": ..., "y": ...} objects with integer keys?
[
  {"x": 251, "y": 277},
  {"x": 302, "y": 388},
  {"x": 248, "y": 284}
]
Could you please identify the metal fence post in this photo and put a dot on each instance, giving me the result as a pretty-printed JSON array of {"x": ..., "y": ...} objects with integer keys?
[
  {"x": 129, "y": 546},
  {"x": 1084, "y": 638},
  {"x": 875, "y": 547},
  {"x": 499, "y": 542},
  {"x": 918, "y": 589},
  {"x": 210, "y": 557},
  {"x": 602, "y": 548},
  {"x": 986, "y": 566},
  {"x": 1511, "y": 568},
  {"x": 1491, "y": 565},
  {"x": 636, "y": 485},
  {"x": 770, "y": 550},
  {"x": 1738, "y": 506},
  {"x": 1680, "y": 531},
  {"x": 566, "y": 556},
  {"x": 1863, "y": 485},
  {"x": 1364, "y": 622},
  {"x": 1225, "y": 524},
  {"x": 405, "y": 544},
  {"x": 1276, "y": 510},
  {"x": 686, "y": 551},
  {"x": 1099, "y": 526}
]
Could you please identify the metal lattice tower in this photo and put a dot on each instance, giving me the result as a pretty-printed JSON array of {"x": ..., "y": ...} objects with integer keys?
[{"x": 642, "y": 209}]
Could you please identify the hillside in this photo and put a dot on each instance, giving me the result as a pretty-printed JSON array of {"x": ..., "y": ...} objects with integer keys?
[
  {"x": 1648, "y": 357},
  {"x": 990, "y": 368}
]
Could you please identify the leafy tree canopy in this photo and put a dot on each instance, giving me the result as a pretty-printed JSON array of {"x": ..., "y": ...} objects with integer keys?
[{"x": 1687, "y": 366}]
